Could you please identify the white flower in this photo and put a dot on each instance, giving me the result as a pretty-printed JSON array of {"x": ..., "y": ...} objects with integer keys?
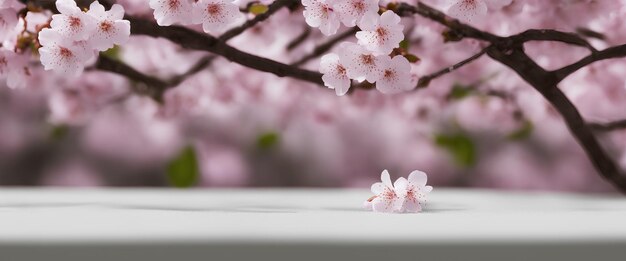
[
  {"x": 381, "y": 34},
  {"x": 413, "y": 191},
  {"x": 386, "y": 199},
  {"x": 468, "y": 10},
  {"x": 320, "y": 13},
  {"x": 395, "y": 75},
  {"x": 351, "y": 12},
  {"x": 217, "y": 16},
  {"x": 61, "y": 54},
  {"x": 8, "y": 21},
  {"x": 471, "y": 10},
  {"x": 14, "y": 68},
  {"x": 169, "y": 12},
  {"x": 335, "y": 74},
  {"x": 360, "y": 63},
  {"x": 11, "y": 4},
  {"x": 72, "y": 22},
  {"x": 111, "y": 29}
]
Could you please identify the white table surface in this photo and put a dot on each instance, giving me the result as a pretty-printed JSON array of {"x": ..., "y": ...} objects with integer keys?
[{"x": 280, "y": 224}]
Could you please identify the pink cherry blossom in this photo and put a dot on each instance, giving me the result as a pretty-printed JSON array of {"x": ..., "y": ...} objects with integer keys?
[
  {"x": 72, "y": 23},
  {"x": 360, "y": 63},
  {"x": 381, "y": 34},
  {"x": 321, "y": 14},
  {"x": 395, "y": 75},
  {"x": 111, "y": 29},
  {"x": 14, "y": 68},
  {"x": 386, "y": 200},
  {"x": 471, "y": 10},
  {"x": 413, "y": 191},
  {"x": 169, "y": 12},
  {"x": 11, "y": 4},
  {"x": 335, "y": 74},
  {"x": 61, "y": 54},
  {"x": 351, "y": 12},
  {"x": 8, "y": 21},
  {"x": 217, "y": 16}
]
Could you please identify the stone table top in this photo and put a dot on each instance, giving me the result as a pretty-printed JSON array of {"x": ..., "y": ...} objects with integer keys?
[{"x": 305, "y": 224}]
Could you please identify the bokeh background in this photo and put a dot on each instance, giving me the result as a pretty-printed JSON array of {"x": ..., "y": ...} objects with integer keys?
[{"x": 229, "y": 126}]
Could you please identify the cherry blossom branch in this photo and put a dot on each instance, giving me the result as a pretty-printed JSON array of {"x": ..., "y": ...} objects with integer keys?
[
  {"x": 272, "y": 8},
  {"x": 609, "y": 126},
  {"x": 151, "y": 86},
  {"x": 609, "y": 53},
  {"x": 424, "y": 81},
  {"x": 193, "y": 40},
  {"x": 324, "y": 47}
]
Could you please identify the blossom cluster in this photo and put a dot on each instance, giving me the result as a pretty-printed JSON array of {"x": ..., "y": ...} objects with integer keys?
[
  {"x": 371, "y": 59},
  {"x": 404, "y": 195},
  {"x": 11, "y": 63},
  {"x": 216, "y": 16},
  {"x": 74, "y": 36}
]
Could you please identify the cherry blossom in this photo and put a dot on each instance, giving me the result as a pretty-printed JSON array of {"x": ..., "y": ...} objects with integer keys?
[
  {"x": 360, "y": 63},
  {"x": 14, "y": 4},
  {"x": 14, "y": 68},
  {"x": 395, "y": 75},
  {"x": 169, "y": 12},
  {"x": 321, "y": 14},
  {"x": 61, "y": 54},
  {"x": 381, "y": 34},
  {"x": 72, "y": 23},
  {"x": 8, "y": 21},
  {"x": 413, "y": 191},
  {"x": 471, "y": 10},
  {"x": 335, "y": 74},
  {"x": 217, "y": 16},
  {"x": 351, "y": 12},
  {"x": 111, "y": 29},
  {"x": 386, "y": 200}
]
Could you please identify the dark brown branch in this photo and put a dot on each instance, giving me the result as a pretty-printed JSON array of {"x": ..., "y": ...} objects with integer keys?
[
  {"x": 610, "y": 53},
  {"x": 191, "y": 39},
  {"x": 545, "y": 83},
  {"x": 150, "y": 85},
  {"x": 153, "y": 86},
  {"x": 424, "y": 81},
  {"x": 324, "y": 47},
  {"x": 272, "y": 8},
  {"x": 609, "y": 126},
  {"x": 552, "y": 35},
  {"x": 300, "y": 39}
]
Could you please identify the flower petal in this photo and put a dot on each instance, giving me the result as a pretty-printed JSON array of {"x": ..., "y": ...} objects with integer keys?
[{"x": 418, "y": 178}]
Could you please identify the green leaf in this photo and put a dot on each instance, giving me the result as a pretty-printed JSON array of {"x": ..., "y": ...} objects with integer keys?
[
  {"x": 523, "y": 132},
  {"x": 404, "y": 44},
  {"x": 459, "y": 92},
  {"x": 257, "y": 9},
  {"x": 460, "y": 146},
  {"x": 183, "y": 171},
  {"x": 268, "y": 140},
  {"x": 412, "y": 58},
  {"x": 113, "y": 53},
  {"x": 58, "y": 132}
]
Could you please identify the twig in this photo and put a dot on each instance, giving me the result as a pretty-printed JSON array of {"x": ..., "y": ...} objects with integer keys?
[
  {"x": 609, "y": 126},
  {"x": 324, "y": 47},
  {"x": 424, "y": 81},
  {"x": 610, "y": 53},
  {"x": 272, "y": 8}
]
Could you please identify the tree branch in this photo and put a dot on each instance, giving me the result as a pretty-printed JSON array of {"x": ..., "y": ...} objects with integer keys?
[
  {"x": 191, "y": 39},
  {"x": 609, "y": 126},
  {"x": 610, "y": 53},
  {"x": 272, "y": 8},
  {"x": 324, "y": 47},
  {"x": 424, "y": 81}
]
